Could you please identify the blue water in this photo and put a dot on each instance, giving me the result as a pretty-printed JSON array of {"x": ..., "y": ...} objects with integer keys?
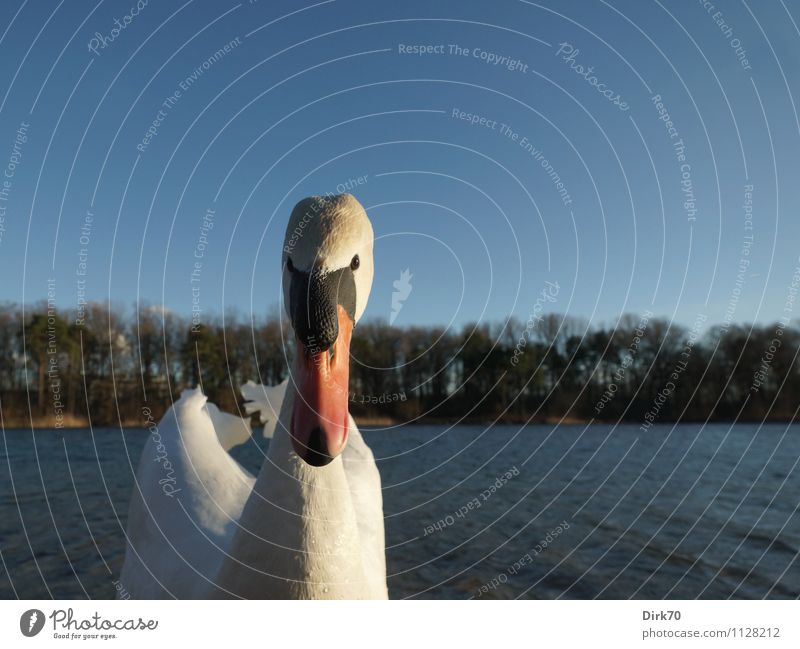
[{"x": 540, "y": 512}]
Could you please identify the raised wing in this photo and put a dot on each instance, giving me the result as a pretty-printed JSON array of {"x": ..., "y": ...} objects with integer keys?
[
  {"x": 188, "y": 496},
  {"x": 266, "y": 401}
]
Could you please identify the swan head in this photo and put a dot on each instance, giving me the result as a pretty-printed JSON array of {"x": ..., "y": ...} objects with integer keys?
[{"x": 327, "y": 277}]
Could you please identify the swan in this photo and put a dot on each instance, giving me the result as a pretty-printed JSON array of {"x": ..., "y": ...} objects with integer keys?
[{"x": 310, "y": 524}]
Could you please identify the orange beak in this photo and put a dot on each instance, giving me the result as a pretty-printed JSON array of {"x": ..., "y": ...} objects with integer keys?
[{"x": 320, "y": 414}]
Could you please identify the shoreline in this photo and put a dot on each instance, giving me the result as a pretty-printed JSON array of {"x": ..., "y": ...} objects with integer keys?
[{"x": 80, "y": 423}]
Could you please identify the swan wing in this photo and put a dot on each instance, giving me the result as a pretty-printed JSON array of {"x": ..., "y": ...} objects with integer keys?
[
  {"x": 266, "y": 400},
  {"x": 189, "y": 494},
  {"x": 364, "y": 482},
  {"x": 230, "y": 429}
]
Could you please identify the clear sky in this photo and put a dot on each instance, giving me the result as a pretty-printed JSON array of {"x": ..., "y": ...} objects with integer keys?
[{"x": 570, "y": 175}]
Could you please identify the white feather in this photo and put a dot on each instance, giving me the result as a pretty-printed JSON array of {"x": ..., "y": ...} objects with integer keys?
[{"x": 230, "y": 429}]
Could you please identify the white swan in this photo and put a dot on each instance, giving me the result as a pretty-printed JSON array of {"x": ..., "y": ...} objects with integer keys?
[{"x": 311, "y": 524}]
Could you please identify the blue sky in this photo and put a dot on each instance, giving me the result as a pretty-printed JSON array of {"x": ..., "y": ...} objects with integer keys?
[{"x": 309, "y": 96}]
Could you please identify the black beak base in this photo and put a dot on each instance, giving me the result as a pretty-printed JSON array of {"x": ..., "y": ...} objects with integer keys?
[{"x": 313, "y": 301}]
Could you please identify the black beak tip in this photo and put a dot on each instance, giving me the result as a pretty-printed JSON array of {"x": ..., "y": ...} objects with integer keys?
[{"x": 316, "y": 452}]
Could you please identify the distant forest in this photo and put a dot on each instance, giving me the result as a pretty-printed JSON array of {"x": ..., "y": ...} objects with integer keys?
[{"x": 116, "y": 363}]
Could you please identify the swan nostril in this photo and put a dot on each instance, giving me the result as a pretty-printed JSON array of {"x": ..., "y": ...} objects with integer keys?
[{"x": 317, "y": 449}]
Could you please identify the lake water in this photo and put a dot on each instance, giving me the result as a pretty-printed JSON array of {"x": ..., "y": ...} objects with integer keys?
[{"x": 539, "y": 512}]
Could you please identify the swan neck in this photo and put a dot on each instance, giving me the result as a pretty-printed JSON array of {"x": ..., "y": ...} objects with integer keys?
[{"x": 298, "y": 534}]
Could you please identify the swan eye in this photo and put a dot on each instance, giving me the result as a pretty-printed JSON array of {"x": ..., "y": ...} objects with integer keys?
[
  {"x": 355, "y": 263},
  {"x": 289, "y": 265}
]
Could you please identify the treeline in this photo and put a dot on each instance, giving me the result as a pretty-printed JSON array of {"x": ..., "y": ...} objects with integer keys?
[{"x": 643, "y": 369}]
